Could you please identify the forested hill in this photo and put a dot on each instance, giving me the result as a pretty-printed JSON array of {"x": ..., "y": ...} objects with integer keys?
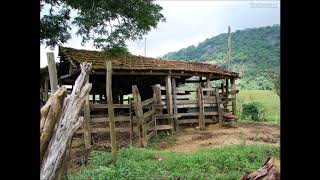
[{"x": 254, "y": 51}]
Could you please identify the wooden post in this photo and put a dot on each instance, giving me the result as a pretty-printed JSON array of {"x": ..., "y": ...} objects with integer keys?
[
  {"x": 175, "y": 109},
  {"x": 227, "y": 94},
  {"x": 219, "y": 108},
  {"x": 169, "y": 100},
  {"x": 111, "y": 110},
  {"x": 158, "y": 101},
  {"x": 130, "y": 122},
  {"x": 139, "y": 115},
  {"x": 100, "y": 97},
  {"x": 208, "y": 82},
  {"x": 86, "y": 123},
  {"x": 52, "y": 72},
  {"x": 233, "y": 96},
  {"x": 201, "y": 108},
  {"x": 222, "y": 87},
  {"x": 155, "y": 121},
  {"x": 94, "y": 98},
  {"x": 208, "y": 85},
  {"x": 46, "y": 90}
]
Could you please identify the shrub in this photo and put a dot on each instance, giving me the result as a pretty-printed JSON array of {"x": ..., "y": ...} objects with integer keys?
[{"x": 253, "y": 110}]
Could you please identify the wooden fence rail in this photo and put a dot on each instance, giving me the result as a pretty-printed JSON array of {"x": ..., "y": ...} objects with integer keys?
[{"x": 207, "y": 105}]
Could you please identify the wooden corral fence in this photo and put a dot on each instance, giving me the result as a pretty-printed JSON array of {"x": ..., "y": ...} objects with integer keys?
[
  {"x": 138, "y": 118},
  {"x": 201, "y": 105},
  {"x": 168, "y": 109}
]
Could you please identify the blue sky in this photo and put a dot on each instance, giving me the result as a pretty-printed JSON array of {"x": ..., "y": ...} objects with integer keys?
[{"x": 190, "y": 22}]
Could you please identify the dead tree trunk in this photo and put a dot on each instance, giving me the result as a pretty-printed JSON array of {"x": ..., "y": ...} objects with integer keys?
[
  {"x": 49, "y": 116},
  {"x": 68, "y": 123}
]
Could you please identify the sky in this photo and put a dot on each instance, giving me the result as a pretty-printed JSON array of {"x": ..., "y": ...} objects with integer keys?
[{"x": 190, "y": 22}]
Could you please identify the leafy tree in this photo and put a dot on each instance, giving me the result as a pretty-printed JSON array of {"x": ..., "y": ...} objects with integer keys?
[
  {"x": 108, "y": 23},
  {"x": 275, "y": 79}
]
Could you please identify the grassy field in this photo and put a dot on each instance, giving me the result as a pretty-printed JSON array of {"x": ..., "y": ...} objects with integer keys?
[
  {"x": 137, "y": 163},
  {"x": 269, "y": 100}
]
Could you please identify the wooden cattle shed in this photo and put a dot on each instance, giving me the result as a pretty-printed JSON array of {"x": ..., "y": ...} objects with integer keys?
[{"x": 149, "y": 94}]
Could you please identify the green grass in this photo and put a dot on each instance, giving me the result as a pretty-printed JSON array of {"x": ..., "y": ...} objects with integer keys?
[
  {"x": 137, "y": 163},
  {"x": 269, "y": 100}
]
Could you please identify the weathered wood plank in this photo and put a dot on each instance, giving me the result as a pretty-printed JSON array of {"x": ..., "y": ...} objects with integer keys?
[
  {"x": 105, "y": 106},
  {"x": 208, "y": 89},
  {"x": 187, "y": 121},
  {"x": 147, "y": 102},
  {"x": 169, "y": 98},
  {"x": 149, "y": 124},
  {"x": 179, "y": 97},
  {"x": 167, "y": 116},
  {"x": 157, "y": 96},
  {"x": 208, "y": 83},
  {"x": 154, "y": 119},
  {"x": 52, "y": 72},
  {"x": 174, "y": 101},
  {"x": 220, "y": 118},
  {"x": 124, "y": 129},
  {"x": 150, "y": 135},
  {"x": 186, "y": 102},
  {"x": 139, "y": 115},
  {"x": 201, "y": 108},
  {"x": 162, "y": 127},
  {"x": 46, "y": 90},
  {"x": 234, "y": 98},
  {"x": 107, "y": 130},
  {"x": 130, "y": 122},
  {"x": 227, "y": 92},
  {"x": 195, "y": 105},
  {"x": 185, "y": 90},
  {"x": 197, "y": 114},
  {"x": 169, "y": 94},
  {"x": 190, "y": 121},
  {"x": 86, "y": 122},
  {"x": 180, "y": 91},
  {"x": 189, "y": 114},
  {"x": 222, "y": 88},
  {"x": 149, "y": 113},
  {"x": 111, "y": 110},
  {"x": 116, "y": 119}
]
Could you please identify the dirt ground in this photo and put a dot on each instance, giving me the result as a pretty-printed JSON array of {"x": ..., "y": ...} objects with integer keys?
[{"x": 190, "y": 139}]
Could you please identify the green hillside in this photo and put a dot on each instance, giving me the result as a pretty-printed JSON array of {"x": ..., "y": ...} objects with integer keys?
[{"x": 255, "y": 51}]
